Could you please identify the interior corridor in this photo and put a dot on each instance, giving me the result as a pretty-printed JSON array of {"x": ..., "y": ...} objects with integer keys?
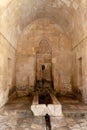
[{"x": 43, "y": 64}]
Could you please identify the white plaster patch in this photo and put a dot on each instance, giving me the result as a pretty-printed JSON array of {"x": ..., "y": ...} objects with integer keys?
[
  {"x": 75, "y": 5},
  {"x": 67, "y": 2},
  {"x": 3, "y": 97},
  {"x": 59, "y": 3},
  {"x": 3, "y": 3},
  {"x": 53, "y": 60},
  {"x": 84, "y": 2},
  {"x": 18, "y": 28},
  {"x": 33, "y": 50}
]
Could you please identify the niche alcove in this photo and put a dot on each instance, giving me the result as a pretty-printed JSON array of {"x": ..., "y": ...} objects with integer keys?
[
  {"x": 43, "y": 65},
  {"x": 43, "y": 58}
]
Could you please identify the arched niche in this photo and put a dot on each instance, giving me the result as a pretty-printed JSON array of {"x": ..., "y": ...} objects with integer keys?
[{"x": 44, "y": 64}]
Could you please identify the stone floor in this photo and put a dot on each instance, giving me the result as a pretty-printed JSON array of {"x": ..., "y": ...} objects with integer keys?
[{"x": 16, "y": 115}]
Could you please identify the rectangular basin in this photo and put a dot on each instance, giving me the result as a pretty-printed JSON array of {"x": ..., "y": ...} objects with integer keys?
[
  {"x": 38, "y": 109},
  {"x": 52, "y": 109}
]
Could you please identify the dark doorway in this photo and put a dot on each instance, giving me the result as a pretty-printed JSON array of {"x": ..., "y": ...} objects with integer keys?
[{"x": 43, "y": 67}]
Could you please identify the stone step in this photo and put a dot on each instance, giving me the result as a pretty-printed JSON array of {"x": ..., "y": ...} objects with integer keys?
[
  {"x": 16, "y": 112},
  {"x": 79, "y": 113}
]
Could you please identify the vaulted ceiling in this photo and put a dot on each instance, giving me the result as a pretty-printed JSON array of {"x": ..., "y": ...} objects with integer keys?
[{"x": 70, "y": 15}]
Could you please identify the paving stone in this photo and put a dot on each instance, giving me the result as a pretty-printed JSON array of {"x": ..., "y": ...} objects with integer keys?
[
  {"x": 75, "y": 126},
  {"x": 13, "y": 117},
  {"x": 84, "y": 124},
  {"x": 61, "y": 128},
  {"x": 57, "y": 122}
]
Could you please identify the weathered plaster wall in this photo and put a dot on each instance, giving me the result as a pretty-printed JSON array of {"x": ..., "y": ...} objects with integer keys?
[
  {"x": 26, "y": 56},
  {"x": 80, "y": 51},
  {"x": 25, "y": 74},
  {"x": 7, "y": 69},
  {"x": 80, "y": 28}
]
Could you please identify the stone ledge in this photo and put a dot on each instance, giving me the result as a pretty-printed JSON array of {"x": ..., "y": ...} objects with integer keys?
[
  {"x": 39, "y": 110},
  {"x": 54, "y": 109}
]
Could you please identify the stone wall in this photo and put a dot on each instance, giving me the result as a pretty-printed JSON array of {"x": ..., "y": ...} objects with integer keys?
[
  {"x": 26, "y": 56},
  {"x": 25, "y": 74},
  {"x": 7, "y": 69},
  {"x": 80, "y": 74}
]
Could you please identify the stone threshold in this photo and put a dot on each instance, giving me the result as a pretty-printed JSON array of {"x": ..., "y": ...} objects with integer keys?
[{"x": 54, "y": 109}]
